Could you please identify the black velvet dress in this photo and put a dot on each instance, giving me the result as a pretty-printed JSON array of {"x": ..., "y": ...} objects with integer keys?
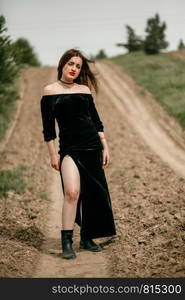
[{"x": 79, "y": 124}]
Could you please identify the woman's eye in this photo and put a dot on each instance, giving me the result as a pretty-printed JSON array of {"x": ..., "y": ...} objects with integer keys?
[{"x": 71, "y": 63}]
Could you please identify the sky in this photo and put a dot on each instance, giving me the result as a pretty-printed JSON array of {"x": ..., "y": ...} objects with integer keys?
[{"x": 52, "y": 27}]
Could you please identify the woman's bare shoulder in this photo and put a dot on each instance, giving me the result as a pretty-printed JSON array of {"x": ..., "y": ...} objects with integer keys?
[
  {"x": 52, "y": 88},
  {"x": 49, "y": 89},
  {"x": 85, "y": 88}
]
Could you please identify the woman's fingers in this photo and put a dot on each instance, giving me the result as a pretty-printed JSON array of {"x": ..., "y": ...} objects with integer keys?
[
  {"x": 106, "y": 162},
  {"x": 53, "y": 166},
  {"x": 55, "y": 163},
  {"x": 105, "y": 159},
  {"x": 56, "y": 167}
]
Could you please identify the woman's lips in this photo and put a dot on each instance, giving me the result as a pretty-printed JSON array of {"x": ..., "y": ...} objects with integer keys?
[{"x": 72, "y": 73}]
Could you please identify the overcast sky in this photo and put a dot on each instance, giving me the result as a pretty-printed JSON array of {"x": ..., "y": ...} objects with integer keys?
[{"x": 54, "y": 26}]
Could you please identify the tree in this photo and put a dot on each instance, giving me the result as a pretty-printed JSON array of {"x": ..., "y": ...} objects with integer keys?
[
  {"x": 101, "y": 54},
  {"x": 9, "y": 71},
  {"x": 134, "y": 42},
  {"x": 8, "y": 66},
  {"x": 24, "y": 53},
  {"x": 155, "y": 38},
  {"x": 181, "y": 45}
]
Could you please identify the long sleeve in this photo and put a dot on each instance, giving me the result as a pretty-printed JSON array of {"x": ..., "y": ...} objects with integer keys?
[
  {"x": 48, "y": 119},
  {"x": 94, "y": 115}
]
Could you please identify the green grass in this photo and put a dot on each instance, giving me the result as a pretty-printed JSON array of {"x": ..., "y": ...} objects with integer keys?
[
  {"x": 12, "y": 180},
  {"x": 8, "y": 96},
  {"x": 43, "y": 196},
  {"x": 162, "y": 75}
]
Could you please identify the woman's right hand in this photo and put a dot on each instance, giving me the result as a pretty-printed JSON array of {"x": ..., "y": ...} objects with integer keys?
[{"x": 55, "y": 162}]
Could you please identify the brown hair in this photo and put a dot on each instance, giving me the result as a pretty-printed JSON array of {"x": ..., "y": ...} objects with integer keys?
[{"x": 86, "y": 76}]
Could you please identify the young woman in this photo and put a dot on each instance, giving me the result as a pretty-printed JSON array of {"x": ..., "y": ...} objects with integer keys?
[{"x": 83, "y": 152}]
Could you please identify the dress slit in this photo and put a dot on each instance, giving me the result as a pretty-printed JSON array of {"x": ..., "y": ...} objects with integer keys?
[{"x": 78, "y": 218}]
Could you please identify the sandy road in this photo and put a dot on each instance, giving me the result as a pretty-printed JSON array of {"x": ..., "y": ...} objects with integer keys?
[{"x": 145, "y": 176}]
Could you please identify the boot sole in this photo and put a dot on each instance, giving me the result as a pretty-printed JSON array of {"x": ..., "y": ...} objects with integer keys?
[
  {"x": 92, "y": 250},
  {"x": 69, "y": 257}
]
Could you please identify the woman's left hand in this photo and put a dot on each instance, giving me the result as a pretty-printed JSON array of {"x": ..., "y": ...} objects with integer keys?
[{"x": 106, "y": 158}]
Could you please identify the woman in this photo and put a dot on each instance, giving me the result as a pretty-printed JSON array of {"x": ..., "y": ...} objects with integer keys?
[{"x": 83, "y": 152}]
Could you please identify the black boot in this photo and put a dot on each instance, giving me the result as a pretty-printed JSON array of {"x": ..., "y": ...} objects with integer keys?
[
  {"x": 88, "y": 244},
  {"x": 66, "y": 237}
]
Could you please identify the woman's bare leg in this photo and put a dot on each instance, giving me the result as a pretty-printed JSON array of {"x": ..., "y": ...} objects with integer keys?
[{"x": 71, "y": 179}]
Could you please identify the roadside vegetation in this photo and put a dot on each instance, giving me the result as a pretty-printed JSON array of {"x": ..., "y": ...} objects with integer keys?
[
  {"x": 12, "y": 180},
  {"x": 153, "y": 68},
  {"x": 162, "y": 75},
  {"x": 14, "y": 57}
]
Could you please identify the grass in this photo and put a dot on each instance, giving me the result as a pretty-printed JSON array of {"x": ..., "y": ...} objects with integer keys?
[
  {"x": 12, "y": 180},
  {"x": 162, "y": 75},
  {"x": 8, "y": 96},
  {"x": 43, "y": 196},
  {"x": 131, "y": 188}
]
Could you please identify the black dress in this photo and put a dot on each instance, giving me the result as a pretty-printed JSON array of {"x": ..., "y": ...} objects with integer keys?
[{"x": 79, "y": 124}]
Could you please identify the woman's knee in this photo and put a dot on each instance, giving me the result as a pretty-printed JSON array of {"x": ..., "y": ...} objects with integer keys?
[{"x": 72, "y": 195}]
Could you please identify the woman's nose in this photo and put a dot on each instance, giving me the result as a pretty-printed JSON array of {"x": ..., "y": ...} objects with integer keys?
[{"x": 73, "y": 67}]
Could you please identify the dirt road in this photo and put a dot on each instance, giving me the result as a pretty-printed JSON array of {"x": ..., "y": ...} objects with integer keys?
[{"x": 146, "y": 179}]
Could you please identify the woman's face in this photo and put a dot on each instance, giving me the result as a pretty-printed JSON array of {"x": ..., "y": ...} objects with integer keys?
[{"x": 72, "y": 68}]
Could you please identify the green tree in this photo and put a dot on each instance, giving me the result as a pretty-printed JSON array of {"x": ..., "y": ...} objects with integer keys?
[
  {"x": 101, "y": 54},
  {"x": 13, "y": 57},
  {"x": 134, "y": 42},
  {"x": 181, "y": 45},
  {"x": 8, "y": 67},
  {"x": 9, "y": 71},
  {"x": 24, "y": 53},
  {"x": 155, "y": 38}
]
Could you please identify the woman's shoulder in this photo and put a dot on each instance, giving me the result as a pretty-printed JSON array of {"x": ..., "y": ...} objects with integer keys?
[
  {"x": 52, "y": 89},
  {"x": 84, "y": 88},
  {"x": 49, "y": 89}
]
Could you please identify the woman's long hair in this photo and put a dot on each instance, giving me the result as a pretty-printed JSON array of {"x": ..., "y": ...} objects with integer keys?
[{"x": 86, "y": 76}]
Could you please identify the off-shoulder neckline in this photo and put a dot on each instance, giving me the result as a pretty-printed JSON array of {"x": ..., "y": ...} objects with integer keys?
[{"x": 66, "y": 94}]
